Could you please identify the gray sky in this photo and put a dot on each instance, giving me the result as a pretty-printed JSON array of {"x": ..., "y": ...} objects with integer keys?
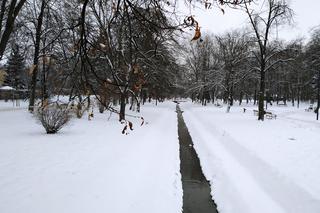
[{"x": 307, "y": 16}]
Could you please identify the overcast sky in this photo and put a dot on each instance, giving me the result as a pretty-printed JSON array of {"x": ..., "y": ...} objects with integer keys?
[{"x": 307, "y": 16}]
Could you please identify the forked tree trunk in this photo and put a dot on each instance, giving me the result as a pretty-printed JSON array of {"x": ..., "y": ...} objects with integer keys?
[
  {"x": 8, "y": 16},
  {"x": 36, "y": 57}
]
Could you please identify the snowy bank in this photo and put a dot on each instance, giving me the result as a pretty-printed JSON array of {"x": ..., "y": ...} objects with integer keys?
[
  {"x": 90, "y": 166},
  {"x": 253, "y": 166}
]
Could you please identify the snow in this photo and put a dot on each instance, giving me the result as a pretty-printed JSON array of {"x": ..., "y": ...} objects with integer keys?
[
  {"x": 12, "y": 105},
  {"x": 90, "y": 166},
  {"x": 254, "y": 166},
  {"x": 7, "y": 88}
]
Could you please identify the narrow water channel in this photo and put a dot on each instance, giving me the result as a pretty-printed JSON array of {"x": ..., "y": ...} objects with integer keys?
[{"x": 196, "y": 189}]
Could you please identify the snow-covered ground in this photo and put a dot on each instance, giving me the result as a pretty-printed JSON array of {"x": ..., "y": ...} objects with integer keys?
[
  {"x": 253, "y": 167},
  {"x": 12, "y": 105},
  {"x": 90, "y": 166},
  {"x": 258, "y": 167}
]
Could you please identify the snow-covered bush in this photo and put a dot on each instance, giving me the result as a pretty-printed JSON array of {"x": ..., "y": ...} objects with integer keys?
[{"x": 53, "y": 117}]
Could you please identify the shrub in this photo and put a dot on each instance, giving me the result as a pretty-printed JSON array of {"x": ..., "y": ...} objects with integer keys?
[{"x": 53, "y": 117}]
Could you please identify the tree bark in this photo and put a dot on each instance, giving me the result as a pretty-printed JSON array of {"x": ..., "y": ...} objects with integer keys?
[
  {"x": 36, "y": 57},
  {"x": 261, "y": 96},
  {"x": 11, "y": 17},
  {"x": 122, "y": 107},
  {"x": 318, "y": 95},
  {"x": 255, "y": 97}
]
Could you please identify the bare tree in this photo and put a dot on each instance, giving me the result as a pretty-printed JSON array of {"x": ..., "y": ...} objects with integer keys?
[
  {"x": 277, "y": 12},
  {"x": 313, "y": 54},
  {"x": 128, "y": 39},
  {"x": 203, "y": 68},
  {"x": 233, "y": 51},
  {"x": 37, "y": 40}
]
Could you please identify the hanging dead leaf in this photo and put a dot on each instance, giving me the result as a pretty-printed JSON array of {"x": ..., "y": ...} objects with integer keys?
[
  {"x": 136, "y": 69},
  {"x": 197, "y": 34},
  {"x": 136, "y": 87},
  {"x": 207, "y": 5},
  {"x": 189, "y": 21}
]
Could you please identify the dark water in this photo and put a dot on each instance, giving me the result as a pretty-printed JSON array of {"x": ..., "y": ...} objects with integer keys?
[{"x": 196, "y": 189}]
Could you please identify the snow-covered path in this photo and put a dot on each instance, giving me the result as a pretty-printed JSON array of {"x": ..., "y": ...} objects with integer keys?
[
  {"x": 248, "y": 178},
  {"x": 90, "y": 166},
  {"x": 196, "y": 188}
]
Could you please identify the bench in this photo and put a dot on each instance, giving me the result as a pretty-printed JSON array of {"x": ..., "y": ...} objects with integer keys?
[
  {"x": 309, "y": 109},
  {"x": 282, "y": 104},
  {"x": 270, "y": 115}
]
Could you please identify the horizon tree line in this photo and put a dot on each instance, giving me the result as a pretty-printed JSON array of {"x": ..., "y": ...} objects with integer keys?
[{"x": 121, "y": 50}]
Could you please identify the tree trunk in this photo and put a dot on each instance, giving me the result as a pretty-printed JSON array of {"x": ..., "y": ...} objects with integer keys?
[
  {"x": 318, "y": 95},
  {"x": 255, "y": 97},
  {"x": 35, "y": 58},
  {"x": 138, "y": 106},
  {"x": 122, "y": 107},
  {"x": 261, "y": 95},
  {"x": 132, "y": 103},
  {"x": 285, "y": 100},
  {"x": 298, "y": 97},
  {"x": 79, "y": 107},
  {"x": 213, "y": 96},
  {"x": 144, "y": 96},
  {"x": 44, "y": 70},
  {"x": 292, "y": 101},
  {"x": 11, "y": 17},
  {"x": 231, "y": 95}
]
